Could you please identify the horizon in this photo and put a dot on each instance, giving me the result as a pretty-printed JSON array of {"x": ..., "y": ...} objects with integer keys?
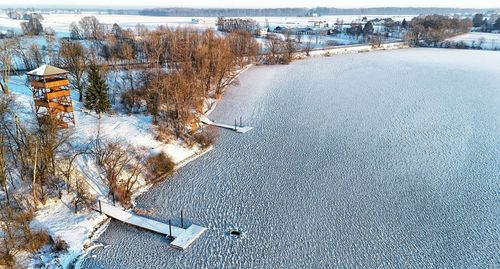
[
  {"x": 104, "y": 8},
  {"x": 270, "y": 4}
]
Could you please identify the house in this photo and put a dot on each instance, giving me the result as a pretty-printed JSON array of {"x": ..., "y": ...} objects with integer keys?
[
  {"x": 318, "y": 24},
  {"x": 262, "y": 32},
  {"x": 197, "y": 21}
]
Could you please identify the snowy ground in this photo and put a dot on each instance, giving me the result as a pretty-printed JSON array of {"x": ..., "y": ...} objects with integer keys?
[
  {"x": 376, "y": 160},
  {"x": 486, "y": 41},
  {"x": 309, "y": 21},
  {"x": 57, "y": 216},
  {"x": 60, "y": 22}
]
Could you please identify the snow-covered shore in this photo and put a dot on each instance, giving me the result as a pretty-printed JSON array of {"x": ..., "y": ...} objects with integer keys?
[
  {"x": 82, "y": 231},
  {"x": 57, "y": 216}
]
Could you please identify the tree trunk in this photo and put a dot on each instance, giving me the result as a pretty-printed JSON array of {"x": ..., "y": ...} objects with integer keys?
[{"x": 5, "y": 89}]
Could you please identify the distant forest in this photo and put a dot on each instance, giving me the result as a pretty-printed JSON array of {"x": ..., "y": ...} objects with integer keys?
[{"x": 322, "y": 11}]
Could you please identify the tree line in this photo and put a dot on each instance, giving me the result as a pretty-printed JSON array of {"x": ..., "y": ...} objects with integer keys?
[
  {"x": 485, "y": 24},
  {"x": 286, "y": 12},
  {"x": 433, "y": 29}
]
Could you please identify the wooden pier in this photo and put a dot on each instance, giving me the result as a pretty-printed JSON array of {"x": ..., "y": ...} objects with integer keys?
[
  {"x": 237, "y": 128},
  {"x": 183, "y": 238}
]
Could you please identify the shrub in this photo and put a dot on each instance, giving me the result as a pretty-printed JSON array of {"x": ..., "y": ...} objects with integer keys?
[
  {"x": 7, "y": 260},
  {"x": 158, "y": 167},
  {"x": 143, "y": 212},
  {"x": 202, "y": 139},
  {"x": 131, "y": 100},
  {"x": 37, "y": 241},
  {"x": 123, "y": 195},
  {"x": 24, "y": 216},
  {"x": 60, "y": 245},
  {"x": 207, "y": 137}
]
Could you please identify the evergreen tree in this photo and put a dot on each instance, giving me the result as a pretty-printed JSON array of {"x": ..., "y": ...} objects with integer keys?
[
  {"x": 496, "y": 26},
  {"x": 368, "y": 29},
  {"x": 478, "y": 20},
  {"x": 96, "y": 96},
  {"x": 32, "y": 27},
  {"x": 404, "y": 24}
]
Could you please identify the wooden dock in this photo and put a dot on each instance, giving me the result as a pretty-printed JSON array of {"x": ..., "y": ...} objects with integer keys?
[
  {"x": 237, "y": 128},
  {"x": 183, "y": 237}
]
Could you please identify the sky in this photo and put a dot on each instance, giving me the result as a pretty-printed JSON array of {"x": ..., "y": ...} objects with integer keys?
[{"x": 255, "y": 3}]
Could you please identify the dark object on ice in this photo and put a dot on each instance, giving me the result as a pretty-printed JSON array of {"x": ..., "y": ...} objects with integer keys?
[{"x": 235, "y": 233}]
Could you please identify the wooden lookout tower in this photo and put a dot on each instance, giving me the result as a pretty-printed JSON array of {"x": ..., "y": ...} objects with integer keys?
[{"x": 52, "y": 95}]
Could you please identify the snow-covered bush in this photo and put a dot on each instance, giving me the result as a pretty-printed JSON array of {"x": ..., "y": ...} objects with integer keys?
[
  {"x": 158, "y": 167},
  {"x": 60, "y": 245},
  {"x": 206, "y": 138}
]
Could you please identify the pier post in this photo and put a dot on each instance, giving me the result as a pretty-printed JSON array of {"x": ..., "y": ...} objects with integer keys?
[
  {"x": 182, "y": 220},
  {"x": 235, "y": 126},
  {"x": 170, "y": 228},
  {"x": 241, "y": 122},
  {"x": 100, "y": 209},
  {"x": 114, "y": 200}
]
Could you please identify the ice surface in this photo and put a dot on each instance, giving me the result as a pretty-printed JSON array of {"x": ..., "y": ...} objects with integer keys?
[{"x": 377, "y": 160}]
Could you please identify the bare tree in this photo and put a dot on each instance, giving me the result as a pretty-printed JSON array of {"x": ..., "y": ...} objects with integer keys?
[
  {"x": 31, "y": 56},
  {"x": 51, "y": 39},
  {"x": 74, "y": 31},
  {"x": 290, "y": 48},
  {"x": 32, "y": 27},
  {"x": 244, "y": 47},
  {"x": 308, "y": 46},
  {"x": 7, "y": 49},
  {"x": 122, "y": 165},
  {"x": 93, "y": 30},
  {"x": 274, "y": 49},
  {"x": 73, "y": 57}
]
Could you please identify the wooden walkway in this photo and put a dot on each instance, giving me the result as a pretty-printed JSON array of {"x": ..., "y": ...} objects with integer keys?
[
  {"x": 236, "y": 128},
  {"x": 183, "y": 237}
]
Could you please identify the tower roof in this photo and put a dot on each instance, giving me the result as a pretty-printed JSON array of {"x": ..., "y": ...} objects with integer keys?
[{"x": 47, "y": 70}]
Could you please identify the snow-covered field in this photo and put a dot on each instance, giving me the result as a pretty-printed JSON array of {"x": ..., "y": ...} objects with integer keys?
[
  {"x": 60, "y": 22},
  {"x": 377, "y": 160},
  {"x": 308, "y": 21},
  {"x": 486, "y": 41}
]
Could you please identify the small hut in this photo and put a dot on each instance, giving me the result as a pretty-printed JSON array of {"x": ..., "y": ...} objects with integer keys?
[{"x": 51, "y": 92}]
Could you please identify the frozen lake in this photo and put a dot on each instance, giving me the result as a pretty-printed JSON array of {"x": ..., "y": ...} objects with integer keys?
[{"x": 378, "y": 160}]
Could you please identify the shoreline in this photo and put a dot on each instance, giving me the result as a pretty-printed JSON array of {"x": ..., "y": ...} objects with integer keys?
[
  {"x": 102, "y": 226},
  {"x": 255, "y": 177}
]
